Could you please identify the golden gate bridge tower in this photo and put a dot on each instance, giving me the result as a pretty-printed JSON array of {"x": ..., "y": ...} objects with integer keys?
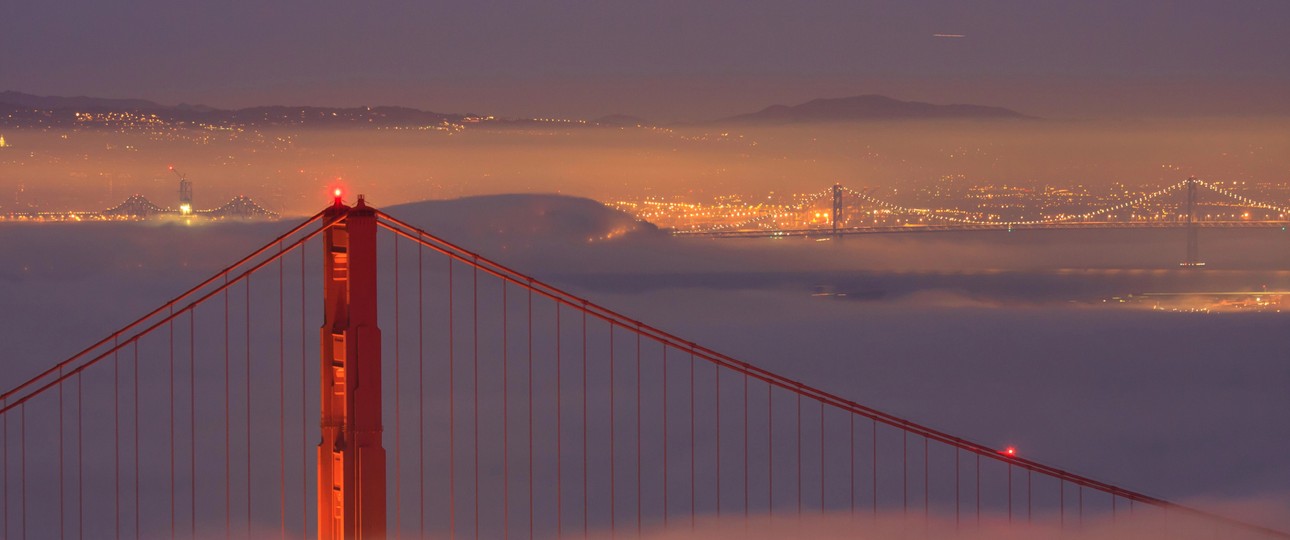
[{"x": 351, "y": 460}]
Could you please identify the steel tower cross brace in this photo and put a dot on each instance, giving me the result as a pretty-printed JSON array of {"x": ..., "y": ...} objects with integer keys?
[{"x": 351, "y": 460}]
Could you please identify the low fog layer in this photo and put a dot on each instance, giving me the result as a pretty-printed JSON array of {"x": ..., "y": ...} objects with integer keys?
[
  {"x": 292, "y": 172},
  {"x": 995, "y": 337}
]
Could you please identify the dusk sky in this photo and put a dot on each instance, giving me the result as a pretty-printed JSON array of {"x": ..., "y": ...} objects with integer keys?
[{"x": 663, "y": 60}]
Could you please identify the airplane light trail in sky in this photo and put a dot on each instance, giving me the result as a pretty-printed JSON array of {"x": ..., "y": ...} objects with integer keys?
[{"x": 949, "y": 35}]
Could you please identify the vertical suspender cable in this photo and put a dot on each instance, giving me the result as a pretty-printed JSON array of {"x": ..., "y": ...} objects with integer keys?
[
  {"x": 116, "y": 432},
  {"x": 136, "y": 439},
  {"x": 613, "y": 485},
  {"x": 398, "y": 404},
  {"x": 474, "y": 312},
  {"x": 559, "y": 430},
  {"x": 304, "y": 364},
  {"x": 228, "y": 494},
  {"x": 665, "y": 468},
  {"x": 452, "y": 410},
  {"x": 716, "y": 383},
  {"x": 770, "y": 450},
  {"x": 80, "y": 460},
  {"x": 282, "y": 399},
  {"x": 798, "y": 454},
  {"x": 745, "y": 434},
  {"x": 171, "y": 373},
  {"x": 851, "y": 418},
  {"x": 639, "y": 491},
  {"x": 693, "y": 444},
  {"x": 585, "y": 501},
  {"x": 5, "y": 427},
  {"x": 248, "y": 405},
  {"x": 506, "y": 416},
  {"x": 62, "y": 520},
  {"x": 22, "y": 460},
  {"x": 192, "y": 422},
  {"x": 529, "y": 318},
  {"x": 421, "y": 381}
]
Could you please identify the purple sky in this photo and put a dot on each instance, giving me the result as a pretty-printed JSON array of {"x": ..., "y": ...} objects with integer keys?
[{"x": 662, "y": 59}]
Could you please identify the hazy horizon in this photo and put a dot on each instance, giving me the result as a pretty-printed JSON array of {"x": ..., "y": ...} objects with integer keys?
[{"x": 665, "y": 62}]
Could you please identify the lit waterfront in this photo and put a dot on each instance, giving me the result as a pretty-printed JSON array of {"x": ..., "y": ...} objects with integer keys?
[{"x": 955, "y": 200}]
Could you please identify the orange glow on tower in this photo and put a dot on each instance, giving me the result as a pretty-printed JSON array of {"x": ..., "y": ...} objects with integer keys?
[{"x": 351, "y": 461}]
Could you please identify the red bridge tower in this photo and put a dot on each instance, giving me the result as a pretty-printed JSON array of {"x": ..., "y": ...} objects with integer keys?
[{"x": 351, "y": 461}]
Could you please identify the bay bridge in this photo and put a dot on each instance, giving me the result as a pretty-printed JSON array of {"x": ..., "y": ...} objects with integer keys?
[
  {"x": 136, "y": 207},
  {"x": 358, "y": 377},
  {"x": 932, "y": 221}
]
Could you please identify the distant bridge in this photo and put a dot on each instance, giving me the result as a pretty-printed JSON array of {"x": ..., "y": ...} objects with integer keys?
[
  {"x": 937, "y": 221},
  {"x": 139, "y": 207}
]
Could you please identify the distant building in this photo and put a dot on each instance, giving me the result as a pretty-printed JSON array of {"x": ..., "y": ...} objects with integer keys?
[{"x": 3, "y": 144}]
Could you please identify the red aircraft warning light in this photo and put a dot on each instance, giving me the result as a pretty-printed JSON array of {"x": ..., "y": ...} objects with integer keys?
[{"x": 1009, "y": 451}]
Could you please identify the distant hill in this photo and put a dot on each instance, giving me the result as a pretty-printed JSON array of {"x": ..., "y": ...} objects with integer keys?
[
  {"x": 30, "y": 101},
  {"x": 18, "y": 109},
  {"x": 869, "y": 107},
  {"x": 27, "y": 109}
]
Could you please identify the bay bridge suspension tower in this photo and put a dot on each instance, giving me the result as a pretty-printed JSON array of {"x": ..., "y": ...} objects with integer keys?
[
  {"x": 836, "y": 216},
  {"x": 1193, "y": 241},
  {"x": 185, "y": 192}
]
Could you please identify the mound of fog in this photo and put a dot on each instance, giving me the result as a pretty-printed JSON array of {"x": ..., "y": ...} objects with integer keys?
[{"x": 522, "y": 220}]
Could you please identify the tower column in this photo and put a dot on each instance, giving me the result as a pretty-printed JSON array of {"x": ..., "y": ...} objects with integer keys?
[
  {"x": 351, "y": 461},
  {"x": 1193, "y": 240},
  {"x": 837, "y": 209}
]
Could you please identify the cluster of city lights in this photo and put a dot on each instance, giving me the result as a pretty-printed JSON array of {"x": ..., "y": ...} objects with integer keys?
[{"x": 806, "y": 203}]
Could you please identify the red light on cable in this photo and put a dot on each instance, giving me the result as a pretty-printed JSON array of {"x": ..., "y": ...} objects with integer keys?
[{"x": 1009, "y": 451}]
